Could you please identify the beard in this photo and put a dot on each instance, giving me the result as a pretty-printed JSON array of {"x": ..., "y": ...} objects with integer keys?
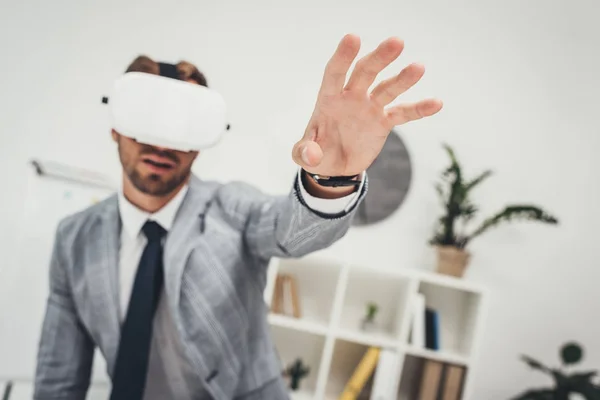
[{"x": 154, "y": 184}]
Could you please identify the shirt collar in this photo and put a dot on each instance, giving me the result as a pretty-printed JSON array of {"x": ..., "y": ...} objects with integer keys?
[{"x": 134, "y": 219}]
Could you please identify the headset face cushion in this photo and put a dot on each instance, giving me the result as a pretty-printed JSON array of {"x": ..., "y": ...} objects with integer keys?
[{"x": 166, "y": 112}]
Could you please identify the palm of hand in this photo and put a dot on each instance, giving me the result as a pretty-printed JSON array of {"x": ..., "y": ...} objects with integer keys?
[{"x": 350, "y": 125}]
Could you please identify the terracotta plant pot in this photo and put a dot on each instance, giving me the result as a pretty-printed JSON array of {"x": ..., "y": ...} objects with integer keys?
[{"x": 452, "y": 261}]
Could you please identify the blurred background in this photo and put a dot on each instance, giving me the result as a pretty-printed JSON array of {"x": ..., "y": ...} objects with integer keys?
[{"x": 520, "y": 90}]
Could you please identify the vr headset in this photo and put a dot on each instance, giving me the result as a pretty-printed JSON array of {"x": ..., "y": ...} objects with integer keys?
[{"x": 162, "y": 110}]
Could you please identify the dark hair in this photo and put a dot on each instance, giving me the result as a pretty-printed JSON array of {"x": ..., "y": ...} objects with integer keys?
[{"x": 185, "y": 69}]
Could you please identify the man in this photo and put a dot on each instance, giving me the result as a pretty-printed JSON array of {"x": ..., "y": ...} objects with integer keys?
[{"x": 198, "y": 328}]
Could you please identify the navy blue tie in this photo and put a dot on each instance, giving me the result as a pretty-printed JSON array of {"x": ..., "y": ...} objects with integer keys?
[{"x": 129, "y": 378}]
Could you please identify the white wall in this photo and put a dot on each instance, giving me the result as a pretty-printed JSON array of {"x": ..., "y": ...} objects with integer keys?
[{"x": 519, "y": 88}]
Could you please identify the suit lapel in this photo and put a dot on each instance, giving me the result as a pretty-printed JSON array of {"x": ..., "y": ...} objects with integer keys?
[
  {"x": 184, "y": 234},
  {"x": 103, "y": 282}
]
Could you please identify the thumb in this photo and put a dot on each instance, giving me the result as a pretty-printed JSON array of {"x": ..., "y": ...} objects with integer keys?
[{"x": 307, "y": 154}]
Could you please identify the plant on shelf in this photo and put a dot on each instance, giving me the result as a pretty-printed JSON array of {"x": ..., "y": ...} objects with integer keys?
[
  {"x": 451, "y": 237},
  {"x": 368, "y": 322},
  {"x": 565, "y": 383},
  {"x": 296, "y": 371}
]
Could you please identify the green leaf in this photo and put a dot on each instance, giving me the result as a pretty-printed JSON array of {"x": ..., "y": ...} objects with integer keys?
[
  {"x": 439, "y": 190},
  {"x": 571, "y": 353},
  {"x": 372, "y": 310},
  {"x": 589, "y": 391},
  {"x": 535, "y": 364},
  {"x": 561, "y": 380},
  {"x": 460, "y": 241},
  {"x": 483, "y": 176},
  {"x": 450, "y": 152},
  {"x": 515, "y": 212},
  {"x": 581, "y": 379},
  {"x": 468, "y": 211}
]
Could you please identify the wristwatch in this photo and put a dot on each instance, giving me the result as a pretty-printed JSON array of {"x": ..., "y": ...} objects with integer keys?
[{"x": 335, "y": 181}]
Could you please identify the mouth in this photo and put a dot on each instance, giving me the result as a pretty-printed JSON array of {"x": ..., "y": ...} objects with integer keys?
[{"x": 158, "y": 164}]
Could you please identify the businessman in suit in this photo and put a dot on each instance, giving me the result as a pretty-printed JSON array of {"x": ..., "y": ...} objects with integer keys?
[{"x": 167, "y": 276}]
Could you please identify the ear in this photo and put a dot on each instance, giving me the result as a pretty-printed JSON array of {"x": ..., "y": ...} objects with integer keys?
[
  {"x": 195, "y": 154},
  {"x": 114, "y": 135}
]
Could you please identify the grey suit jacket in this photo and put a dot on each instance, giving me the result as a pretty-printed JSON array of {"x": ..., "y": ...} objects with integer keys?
[{"x": 216, "y": 258}]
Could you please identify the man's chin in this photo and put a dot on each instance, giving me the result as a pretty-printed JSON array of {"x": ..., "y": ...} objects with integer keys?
[
  {"x": 155, "y": 186},
  {"x": 159, "y": 185}
]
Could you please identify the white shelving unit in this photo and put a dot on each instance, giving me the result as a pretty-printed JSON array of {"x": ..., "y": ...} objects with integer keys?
[{"x": 328, "y": 336}]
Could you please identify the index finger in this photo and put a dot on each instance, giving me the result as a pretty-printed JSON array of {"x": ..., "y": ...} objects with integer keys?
[{"x": 337, "y": 68}]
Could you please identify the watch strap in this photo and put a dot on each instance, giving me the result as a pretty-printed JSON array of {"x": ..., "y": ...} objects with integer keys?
[{"x": 335, "y": 181}]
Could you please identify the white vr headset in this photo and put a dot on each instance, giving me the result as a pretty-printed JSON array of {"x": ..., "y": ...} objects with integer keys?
[{"x": 161, "y": 110}]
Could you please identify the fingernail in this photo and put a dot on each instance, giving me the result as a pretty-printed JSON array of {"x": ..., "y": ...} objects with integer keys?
[{"x": 304, "y": 155}]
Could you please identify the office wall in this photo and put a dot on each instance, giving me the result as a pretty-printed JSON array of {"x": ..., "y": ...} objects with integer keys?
[{"x": 520, "y": 90}]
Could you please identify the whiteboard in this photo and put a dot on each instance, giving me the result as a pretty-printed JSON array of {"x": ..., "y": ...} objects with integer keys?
[{"x": 24, "y": 280}]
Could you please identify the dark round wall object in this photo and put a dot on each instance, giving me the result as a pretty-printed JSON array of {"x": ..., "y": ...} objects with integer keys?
[{"x": 389, "y": 180}]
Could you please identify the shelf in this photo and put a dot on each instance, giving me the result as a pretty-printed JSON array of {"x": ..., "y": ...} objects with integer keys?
[
  {"x": 378, "y": 339},
  {"x": 443, "y": 356},
  {"x": 458, "y": 312},
  {"x": 330, "y": 338},
  {"x": 346, "y": 357},
  {"x": 410, "y": 381},
  {"x": 292, "y": 344},
  {"x": 450, "y": 282},
  {"x": 298, "y": 324},
  {"x": 389, "y": 292},
  {"x": 417, "y": 375},
  {"x": 315, "y": 294}
]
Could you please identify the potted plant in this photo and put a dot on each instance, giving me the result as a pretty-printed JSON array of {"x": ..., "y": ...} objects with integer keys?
[
  {"x": 452, "y": 237},
  {"x": 565, "y": 383},
  {"x": 296, "y": 371},
  {"x": 368, "y": 322}
]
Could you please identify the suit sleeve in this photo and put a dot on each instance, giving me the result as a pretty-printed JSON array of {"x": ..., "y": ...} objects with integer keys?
[
  {"x": 66, "y": 352},
  {"x": 286, "y": 226}
]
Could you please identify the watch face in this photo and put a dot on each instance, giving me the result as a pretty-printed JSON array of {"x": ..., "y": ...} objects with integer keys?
[{"x": 389, "y": 180}]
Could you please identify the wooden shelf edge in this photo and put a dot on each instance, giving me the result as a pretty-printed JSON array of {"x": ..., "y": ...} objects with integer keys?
[
  {"x": 450, "y": 282},
  {"x": 438, "y": 355},
  {"x": 367, "y": 339},
  {"x": 298, "y": 324}
]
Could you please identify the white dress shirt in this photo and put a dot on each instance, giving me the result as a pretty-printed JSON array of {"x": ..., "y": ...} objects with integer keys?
[
  {"x": 167, "y": 369},
  {"x": 133, "y": 241}
]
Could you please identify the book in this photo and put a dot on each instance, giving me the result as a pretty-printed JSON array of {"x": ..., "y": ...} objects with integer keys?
[
  {"x": 430, "y": 380},
  {"x": 361, "y": 374},
  {"x": 295, "y": 301},
  {"x": 285, "y": 297},
  {"x": 277, "y": 303},
  {"x": 432, "y": 329},
  {"x": 387, "y": 370},
  {"x": 453, "y": 383}
]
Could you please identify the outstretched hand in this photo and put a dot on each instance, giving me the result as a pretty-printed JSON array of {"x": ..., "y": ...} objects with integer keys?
[{"x": 349, "y": 125}]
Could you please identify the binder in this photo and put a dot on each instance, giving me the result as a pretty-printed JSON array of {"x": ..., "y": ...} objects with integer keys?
[
  {"x": 430, "y": 380},
  {"x": 386, "y": 373},
  {"x": 361, "y": 374},
  {"x": 432, "y": 329},
  {"x": 285, "y": 296},
  {"x": 453, "y": 384}
]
